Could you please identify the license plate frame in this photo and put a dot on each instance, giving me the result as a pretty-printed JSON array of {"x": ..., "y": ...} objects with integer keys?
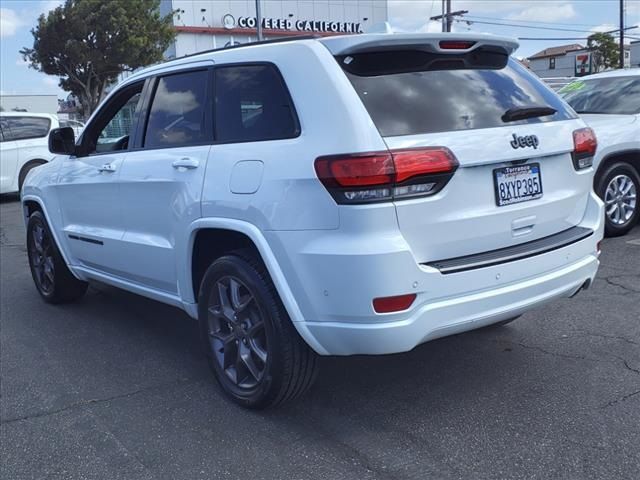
[{"x": 511, "y": 194}]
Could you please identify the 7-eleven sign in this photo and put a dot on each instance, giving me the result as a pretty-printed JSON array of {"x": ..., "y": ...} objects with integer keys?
[{"x": 583, "y": 64}]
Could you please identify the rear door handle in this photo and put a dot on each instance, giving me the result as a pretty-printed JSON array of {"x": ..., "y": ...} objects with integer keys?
[
  {"x": 107, "y": 167},
  {"x": 186, "y": 162}
]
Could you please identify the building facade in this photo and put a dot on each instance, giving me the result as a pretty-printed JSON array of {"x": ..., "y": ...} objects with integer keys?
[
  {"x": 635, "y": 54},
  {"x": 567, "y": 61},
  {"x": 204, "y": 25},
  {"x": 29, "y": 103}
]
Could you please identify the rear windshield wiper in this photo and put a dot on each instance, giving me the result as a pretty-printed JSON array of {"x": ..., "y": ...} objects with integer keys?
[{"x": 520, "y": 113}]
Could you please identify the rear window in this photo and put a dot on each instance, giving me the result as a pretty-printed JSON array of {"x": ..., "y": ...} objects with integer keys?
[
  {"x": 21, "y": 128},
  {"x": 615, "y": 95},
  {"x": 446, "y": 95}
]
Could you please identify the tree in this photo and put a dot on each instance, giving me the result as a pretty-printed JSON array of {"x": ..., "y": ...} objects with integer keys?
[
  {"x": 88, "y": 43},
  {"x": 604, "y": 51}
]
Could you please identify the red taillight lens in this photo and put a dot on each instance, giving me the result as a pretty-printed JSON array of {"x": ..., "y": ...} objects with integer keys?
[
  {"x": 393, "y": 304},
  {"x": 357, "y": 170},
  {"x": 584, "y": 148},
  {"x": 455, "y": 44},
  {"x": 385, "y": 176},
  {"x": 413, "y": 163}
]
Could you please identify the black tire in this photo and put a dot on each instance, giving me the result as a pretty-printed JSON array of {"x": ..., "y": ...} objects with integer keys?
[
  {"x": 53, "y": 280},
  {"x": 616, "y": 170},
  {"x": 26, "y": 169},
  {"x": 285, "y": 365}
]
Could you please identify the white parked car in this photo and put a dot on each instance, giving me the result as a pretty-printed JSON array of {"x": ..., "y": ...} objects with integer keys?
[
  {"x": 23, "y": 146},
  {"x": 349, "y": 195},
  {"x": 610, "y": 103}
]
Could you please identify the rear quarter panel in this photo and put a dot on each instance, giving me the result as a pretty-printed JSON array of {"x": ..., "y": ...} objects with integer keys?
[{"x": 332, "y": 120}]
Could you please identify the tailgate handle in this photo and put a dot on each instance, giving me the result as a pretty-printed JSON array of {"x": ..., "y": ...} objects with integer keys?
[{"x": 523, "y": 226}]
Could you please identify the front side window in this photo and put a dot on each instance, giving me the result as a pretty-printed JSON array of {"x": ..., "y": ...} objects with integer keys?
[
  {"x": 613, "y": 95},
  {"x": 112, "y": 128},
  {"x": 120, "y": 126},
  {"x": 22, "y": 128},
  {"x": 252, "y": 104},
  {"x": 178, "y": 111}
]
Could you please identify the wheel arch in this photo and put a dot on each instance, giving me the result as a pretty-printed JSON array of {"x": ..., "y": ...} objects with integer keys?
[
  {"x": 25, "y": 168},
  {"x": 31, "y": 204},
  {"x": 237, "y": 234},
  {"x": 630, "y": 156}
]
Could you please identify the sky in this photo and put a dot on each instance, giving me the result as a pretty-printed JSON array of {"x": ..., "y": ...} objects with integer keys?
[{"x": 18, "y": 17}]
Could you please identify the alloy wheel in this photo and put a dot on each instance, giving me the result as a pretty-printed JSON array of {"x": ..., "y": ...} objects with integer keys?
[
  {"x": 620, "y": 199},
  {"x": 41, "y": 256},
  {"x": 237, "y": 332}
]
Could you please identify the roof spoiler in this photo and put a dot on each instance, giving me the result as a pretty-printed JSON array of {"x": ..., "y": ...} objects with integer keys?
[{"x": 432, "y": 42}]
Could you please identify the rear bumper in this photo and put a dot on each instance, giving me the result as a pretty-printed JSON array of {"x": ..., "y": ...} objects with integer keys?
[
  {"x": 334, "y": 278},
  {"x": 454, "y": 315}
]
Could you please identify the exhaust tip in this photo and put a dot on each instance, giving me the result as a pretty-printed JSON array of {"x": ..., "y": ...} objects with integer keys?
[{"x": 584, "y": 286}]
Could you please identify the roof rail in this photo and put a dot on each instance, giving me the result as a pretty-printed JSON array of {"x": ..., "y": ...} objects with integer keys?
[{"x": 245, "y": 45}]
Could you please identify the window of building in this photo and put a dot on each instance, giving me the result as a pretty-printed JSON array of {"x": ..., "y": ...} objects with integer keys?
[
  {"x": 21, "y": 128},
  {"x": 252, "y": 104},
  {"x": 178, "y": 109},
  {"x": 552, "y": 63}
]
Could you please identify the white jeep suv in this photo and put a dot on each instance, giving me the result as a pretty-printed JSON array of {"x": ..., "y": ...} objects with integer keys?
[
  {"x": 23, "y": 146},
  {"x": 610, "y": 104},
  {"x": 349, "y": 195}
]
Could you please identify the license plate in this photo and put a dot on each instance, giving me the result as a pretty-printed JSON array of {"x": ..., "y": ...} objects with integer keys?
[{"x": 517, "y": 184}]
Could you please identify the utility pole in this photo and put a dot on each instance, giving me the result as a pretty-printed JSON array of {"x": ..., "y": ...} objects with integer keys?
[
  {"x": 447, "y": 17},
  {"x": 621, "y": 33},
  {"x": 259, "y": 20}
]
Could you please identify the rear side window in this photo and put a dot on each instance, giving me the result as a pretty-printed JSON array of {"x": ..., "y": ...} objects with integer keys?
[
  {"x": 445, "y": 95},
  {"x": 177, "y": 115},
  {"x": 21, "y": 128},
  {"x": 252, "y": 104}
]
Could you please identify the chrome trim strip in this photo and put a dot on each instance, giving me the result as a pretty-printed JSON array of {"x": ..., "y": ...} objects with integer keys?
[{"x": 510, "y": 254}]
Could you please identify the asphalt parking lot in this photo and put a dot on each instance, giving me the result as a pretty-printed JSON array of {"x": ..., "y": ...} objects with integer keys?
[{"x": 115, "y": 387}]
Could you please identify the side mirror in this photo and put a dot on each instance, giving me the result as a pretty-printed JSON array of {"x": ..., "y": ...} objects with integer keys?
[{"x": 62, "y": 141}]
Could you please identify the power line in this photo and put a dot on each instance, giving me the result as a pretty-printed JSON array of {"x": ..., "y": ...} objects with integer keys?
[
  {"x": 553, "y": 38},
  {"x": 533, "y": 21},
  {"x": 448, "y": 17},
  {"x": 520, "y": 26}
]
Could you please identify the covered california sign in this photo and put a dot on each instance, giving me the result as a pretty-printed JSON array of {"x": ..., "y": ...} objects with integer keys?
[{"x": 229, "y": 22}]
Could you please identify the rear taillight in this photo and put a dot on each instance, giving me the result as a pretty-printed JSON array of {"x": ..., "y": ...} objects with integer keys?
[
  {"x": 385, "y": 176},
  {"x": 584, "y": 148}
]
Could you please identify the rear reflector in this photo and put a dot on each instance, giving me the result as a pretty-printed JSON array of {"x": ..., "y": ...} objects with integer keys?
[
  {"x": 455, "y": 44},
  {"x": 584, "y": 148},
  {"x": 393, "y": 304},
  {"x": 385, "y": 176}
]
